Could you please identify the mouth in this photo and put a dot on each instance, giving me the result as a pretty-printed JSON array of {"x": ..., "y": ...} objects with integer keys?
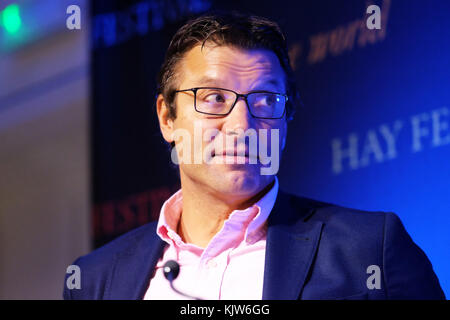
[{"x": 236, "y": 154}]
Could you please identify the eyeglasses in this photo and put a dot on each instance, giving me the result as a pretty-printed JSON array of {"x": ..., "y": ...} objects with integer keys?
[{"x": 220, "y": 102}]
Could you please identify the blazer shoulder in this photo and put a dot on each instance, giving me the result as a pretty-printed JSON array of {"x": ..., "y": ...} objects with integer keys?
[
  {"x": 326, "y": 211},
  {"x": 121, "y": 244},
  {"x": 97, "y": 266},
  {"x": 340, "y": 221}
]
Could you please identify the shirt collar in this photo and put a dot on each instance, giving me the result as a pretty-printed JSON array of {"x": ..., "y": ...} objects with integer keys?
[
  {"x": 171, "y": 212},
  {"x": 256, "y": 228}
]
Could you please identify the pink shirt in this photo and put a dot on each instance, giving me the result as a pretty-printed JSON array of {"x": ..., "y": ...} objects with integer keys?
[{"x": 232, "y": 264}]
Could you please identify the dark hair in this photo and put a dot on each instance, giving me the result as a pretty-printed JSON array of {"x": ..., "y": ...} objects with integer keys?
[{"x": 226, "y": 28}]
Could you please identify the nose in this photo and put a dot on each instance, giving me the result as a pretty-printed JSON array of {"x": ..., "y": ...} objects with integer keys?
[{"x": 239, "y": 117}]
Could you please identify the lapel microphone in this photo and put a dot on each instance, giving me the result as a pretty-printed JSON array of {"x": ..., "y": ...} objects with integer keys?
[{"x": 171, "y": 270}]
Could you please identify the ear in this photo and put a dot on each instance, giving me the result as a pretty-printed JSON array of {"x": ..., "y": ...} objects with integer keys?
[{"x": 165, "y": 122}]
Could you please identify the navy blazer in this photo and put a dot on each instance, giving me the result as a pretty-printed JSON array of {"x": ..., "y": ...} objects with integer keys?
[{"x": 314, "y": 250}]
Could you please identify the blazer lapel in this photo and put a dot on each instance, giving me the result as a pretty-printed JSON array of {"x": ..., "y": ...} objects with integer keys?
[
  {"x": 134, "y": 267},
  {"x": 290, "y": 249}
]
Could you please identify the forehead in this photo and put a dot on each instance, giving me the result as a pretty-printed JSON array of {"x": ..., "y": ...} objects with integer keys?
[{"x": 230, "y": 66}]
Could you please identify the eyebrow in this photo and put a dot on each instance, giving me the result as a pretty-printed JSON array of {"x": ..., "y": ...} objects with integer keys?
[
  {"x": 208, "y": 80},
  {"x": 216, "y": 82}
]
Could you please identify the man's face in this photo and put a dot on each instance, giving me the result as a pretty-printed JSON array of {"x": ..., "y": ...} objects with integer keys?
[{"x": 242, "y": 71}]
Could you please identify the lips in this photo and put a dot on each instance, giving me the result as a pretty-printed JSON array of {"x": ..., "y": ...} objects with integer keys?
[{"x": 236, "y": 153}]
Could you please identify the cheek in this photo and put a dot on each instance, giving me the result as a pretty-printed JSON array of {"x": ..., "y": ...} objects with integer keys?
[
  {"x": 193, "y": 137},
  {"x": 277, "y": 131}
]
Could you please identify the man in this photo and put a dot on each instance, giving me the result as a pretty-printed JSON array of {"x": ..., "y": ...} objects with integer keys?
[{"x": 235, "y": 235}]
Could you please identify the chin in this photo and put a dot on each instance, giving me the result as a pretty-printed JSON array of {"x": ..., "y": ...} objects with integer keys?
[{"x": 240, "y": 181}]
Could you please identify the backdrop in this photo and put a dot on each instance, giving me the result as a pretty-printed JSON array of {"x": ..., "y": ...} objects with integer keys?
[{"x": 373, "y": 132}]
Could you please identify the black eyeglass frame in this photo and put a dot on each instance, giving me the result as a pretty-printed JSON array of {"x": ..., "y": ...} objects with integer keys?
[{"x": 238, "y": 95}]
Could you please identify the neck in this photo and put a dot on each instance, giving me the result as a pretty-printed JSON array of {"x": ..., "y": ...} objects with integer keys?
[{"x": 204, "y": 211}]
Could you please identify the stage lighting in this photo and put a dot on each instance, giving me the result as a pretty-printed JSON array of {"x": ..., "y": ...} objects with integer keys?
[{"x": 10, "y": 18}]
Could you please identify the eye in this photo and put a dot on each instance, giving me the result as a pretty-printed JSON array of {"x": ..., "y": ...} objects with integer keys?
[
  {"x": 271, "y": 99},
  {"x": 215, "y": 98},
  {"x": 266, "y": 99}
]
